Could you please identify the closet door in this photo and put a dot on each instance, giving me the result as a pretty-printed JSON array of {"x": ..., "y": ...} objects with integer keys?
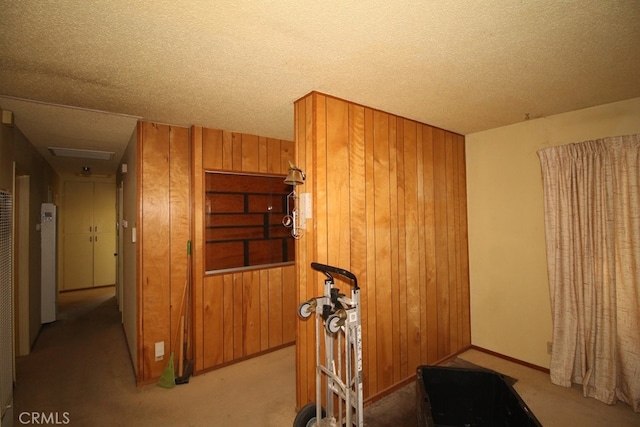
[
  {"x": 78, "y": 261},
  {"x": 78, "y": 236},
  {"x": 89, "y": 235},
  {"x": 104, "y": 234}
]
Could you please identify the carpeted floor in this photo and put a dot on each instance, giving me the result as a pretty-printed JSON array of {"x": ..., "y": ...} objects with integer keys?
[{"x": 80, "y": 372}]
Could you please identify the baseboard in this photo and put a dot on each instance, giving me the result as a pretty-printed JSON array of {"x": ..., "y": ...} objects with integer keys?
[
  {"x": 510, "y": 359},
  {"x": 242, "y": 359}
]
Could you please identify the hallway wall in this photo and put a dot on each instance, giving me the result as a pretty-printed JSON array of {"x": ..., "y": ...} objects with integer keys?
[
  {"x": 129, "y": 247},
  {"x": 43, "y": 188}
]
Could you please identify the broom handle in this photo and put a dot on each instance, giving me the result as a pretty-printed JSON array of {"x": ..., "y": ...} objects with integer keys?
[
  {"x": 187, "y": 309},
  {"x": 180, "y": 362}
]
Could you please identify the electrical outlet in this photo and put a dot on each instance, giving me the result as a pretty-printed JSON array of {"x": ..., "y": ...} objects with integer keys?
[
  {"x": 549, "y": 347},
  {"x": 159, "y": 350}
]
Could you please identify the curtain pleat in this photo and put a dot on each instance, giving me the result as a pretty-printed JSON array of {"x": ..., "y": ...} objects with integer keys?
[{"x": 592, "y": 230}]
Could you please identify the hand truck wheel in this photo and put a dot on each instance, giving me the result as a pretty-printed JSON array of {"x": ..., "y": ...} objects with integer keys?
[
  {"x": 307, "y": 416},
  {"x": 307, "y": 308},
  {"x": 333, "y": 323}
]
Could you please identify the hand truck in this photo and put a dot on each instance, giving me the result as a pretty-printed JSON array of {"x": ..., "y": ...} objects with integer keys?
[{"x": 342, "y": 368}]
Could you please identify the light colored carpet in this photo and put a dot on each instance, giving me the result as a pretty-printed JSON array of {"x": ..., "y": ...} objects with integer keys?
[
  {"x": 554, "y": 405},
  {"x": 80, "y": 367}
]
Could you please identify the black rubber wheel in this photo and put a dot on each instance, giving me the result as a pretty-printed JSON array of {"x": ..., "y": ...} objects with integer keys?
[{"x": 307, "y": 416}]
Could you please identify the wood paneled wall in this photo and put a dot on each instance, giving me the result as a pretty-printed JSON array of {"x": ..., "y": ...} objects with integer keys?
[
  {"x": 389, "y": 204},
  {"x": 235, "y": 315},
  {"x": 163, "y": 232},
  {"x": 244, "y": 313}
]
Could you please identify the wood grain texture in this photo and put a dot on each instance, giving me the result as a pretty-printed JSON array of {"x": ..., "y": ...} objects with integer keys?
[
  {"x": 155, "y": 267},
  {"x": 179, "y": 226},
  {"x": 198, "y": 310},
  {"x": 242, "y": 313},
  {"x": 213, "y": 315},
  {"x": 163, "y": 230},
  {"x": 302, "y": 117},
  {"x": 393, "y": 191}
]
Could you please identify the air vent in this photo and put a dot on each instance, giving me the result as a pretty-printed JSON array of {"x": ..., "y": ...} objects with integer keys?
[{"x": 81, "y": 154}]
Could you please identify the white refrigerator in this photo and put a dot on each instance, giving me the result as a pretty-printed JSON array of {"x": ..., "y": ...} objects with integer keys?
[{"x": 49, "y": 270}]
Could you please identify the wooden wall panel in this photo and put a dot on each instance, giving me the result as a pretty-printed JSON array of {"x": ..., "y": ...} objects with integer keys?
[
  {"x": 382, "y": 238},
  {"x": 403, "y": 330},
  {"x": 305, "y": 343},
  {"x": 154, "y": 221},
  {"x": 389, "y": 204},
  {"x": 465, "y": 315},
  {"x": 275, "y": 307},
  {"x": 199, "y": 311},
  {"x": 272, "y": 162},
  {"x": 228, "y": 306},
  {"x": 212, "y": 148},
  {"x": 289, "y": 304},
  {"x": 264, "y": 311},
  {"x": 251, "y": 312},
  {"x": 213, "y": 315},
  {"x": 163, "y": 232},
  {"x": 336, "y": 190},
  {"x": 243, "y": 313},
  {"x": 394, "y": 258},
  {"x": 431, "y": 300},
  {"x": 357, "y": 203},
  {"x": 179, "y": 227},
  {"x": 368, "y": 294},
  {"x": 412, "y": 248}
]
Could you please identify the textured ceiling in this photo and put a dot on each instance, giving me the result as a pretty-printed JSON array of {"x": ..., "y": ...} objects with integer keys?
[{"x": 239, "y": 65}]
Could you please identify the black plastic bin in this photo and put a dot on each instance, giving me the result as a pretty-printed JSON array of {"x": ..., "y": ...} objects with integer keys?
[{"x": 451, "y": 396}]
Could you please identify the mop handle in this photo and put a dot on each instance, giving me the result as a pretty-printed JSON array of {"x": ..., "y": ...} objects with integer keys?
[{"x": 326, "y": 269}]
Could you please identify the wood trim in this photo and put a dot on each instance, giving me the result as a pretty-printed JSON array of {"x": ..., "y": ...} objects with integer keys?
[
  {"x": 140, "y": 248},
  {"x": 510, "y": 359}
]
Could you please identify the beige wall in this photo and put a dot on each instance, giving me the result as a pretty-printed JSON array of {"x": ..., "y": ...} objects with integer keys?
[
  {"x": 129, "y": 307},
  {"x": 41, "y": 187},
  {"x": 510, "y": 308}
]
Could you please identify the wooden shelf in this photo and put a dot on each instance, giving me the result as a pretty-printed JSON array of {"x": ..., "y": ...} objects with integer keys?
[{"x": 243, "y": 221}]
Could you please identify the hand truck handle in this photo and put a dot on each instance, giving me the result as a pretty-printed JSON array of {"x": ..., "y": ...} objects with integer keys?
[{"x": 327, "y": 269}]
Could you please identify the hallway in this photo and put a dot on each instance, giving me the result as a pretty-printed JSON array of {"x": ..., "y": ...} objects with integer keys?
[{"x": 79, "y": 371}]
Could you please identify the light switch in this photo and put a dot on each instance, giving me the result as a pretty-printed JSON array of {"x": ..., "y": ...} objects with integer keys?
[{"x": 306, "y": 206}]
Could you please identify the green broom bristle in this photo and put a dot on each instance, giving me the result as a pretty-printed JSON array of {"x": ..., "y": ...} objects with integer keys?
[{"x": 168, "y": 378}]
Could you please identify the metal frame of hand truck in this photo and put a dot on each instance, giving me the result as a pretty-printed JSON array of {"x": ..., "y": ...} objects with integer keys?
[{"x": 342, "y": 335}]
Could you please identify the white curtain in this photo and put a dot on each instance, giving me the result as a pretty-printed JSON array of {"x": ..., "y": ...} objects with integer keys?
[{"x": 592, "y": 227}]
